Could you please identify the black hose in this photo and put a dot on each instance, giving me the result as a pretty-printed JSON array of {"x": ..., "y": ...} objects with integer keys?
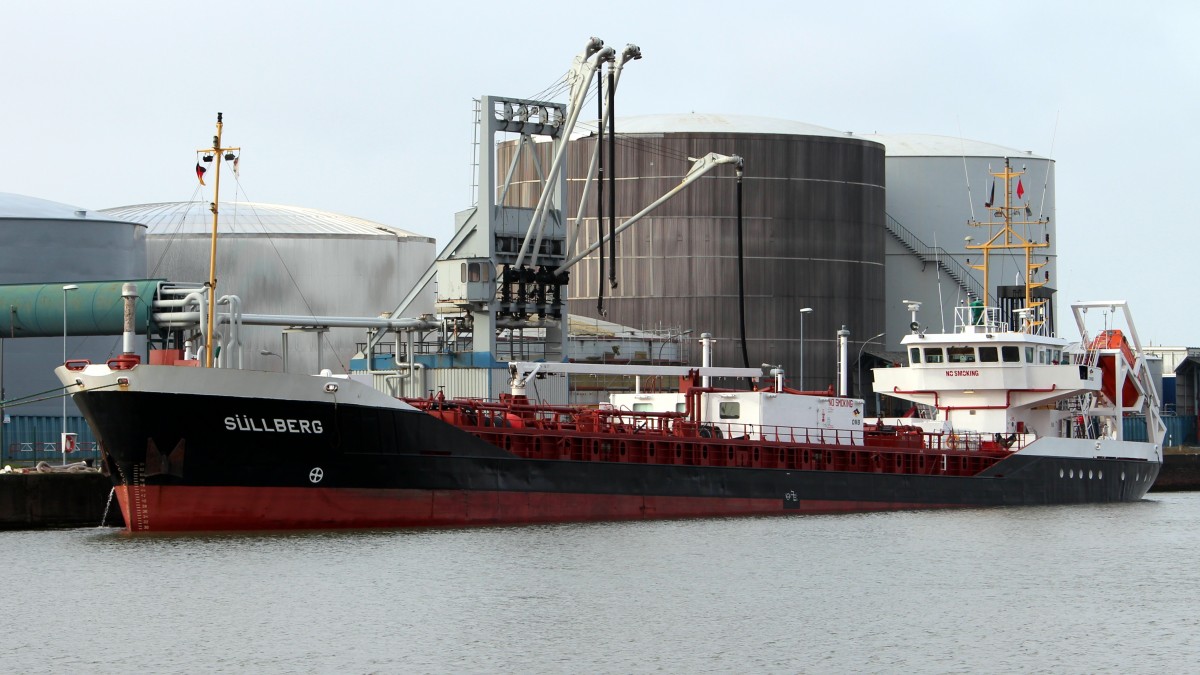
[
  {"x": 600, "y": 189},
  {"x": 741, "y": 273},
  {"x": 612, "y": 181}
]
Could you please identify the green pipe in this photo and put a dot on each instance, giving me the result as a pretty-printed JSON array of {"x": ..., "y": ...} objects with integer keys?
[{"x": 95, "y": 308}]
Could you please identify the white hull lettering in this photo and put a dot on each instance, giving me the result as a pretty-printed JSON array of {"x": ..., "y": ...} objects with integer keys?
[{"x": 276, "y": 426}]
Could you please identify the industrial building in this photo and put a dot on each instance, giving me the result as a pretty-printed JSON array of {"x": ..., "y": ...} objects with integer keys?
[
  {"x": 287, "y": 260},
  {"x": 44, "y": 242}
]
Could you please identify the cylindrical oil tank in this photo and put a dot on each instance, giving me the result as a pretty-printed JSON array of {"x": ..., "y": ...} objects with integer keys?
[
  {"x": 936, "y": 184},
  {"x": 812, "y": 237},
  {"x": 44, "y": 242},
  {"x": 288, "y": 260}
]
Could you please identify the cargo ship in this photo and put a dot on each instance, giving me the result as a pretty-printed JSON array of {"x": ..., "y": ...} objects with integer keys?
[{"x": 1014, "y": 418}]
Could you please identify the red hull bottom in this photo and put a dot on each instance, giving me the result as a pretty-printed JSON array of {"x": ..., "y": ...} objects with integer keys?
[{"x": 158, "y": 508}]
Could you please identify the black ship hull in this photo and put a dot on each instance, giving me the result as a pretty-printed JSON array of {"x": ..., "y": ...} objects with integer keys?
[{"x": 184, "y": 462}]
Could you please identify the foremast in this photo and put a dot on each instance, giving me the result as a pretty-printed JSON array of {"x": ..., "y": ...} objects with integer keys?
[{"x": 219, "y": 153}]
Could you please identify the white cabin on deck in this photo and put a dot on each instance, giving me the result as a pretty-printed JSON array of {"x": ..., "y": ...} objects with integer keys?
[
  {"x": 794, "y": 417},
  {"x": 988, "y": 379}
]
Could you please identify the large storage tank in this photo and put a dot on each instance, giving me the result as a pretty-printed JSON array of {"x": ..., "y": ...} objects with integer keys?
[
  {"x": 935, "y": 185},
  {"x": 288, "y": 260},
  {"x": 813, "y": 236},
  {"x": 47, "y": 242}
]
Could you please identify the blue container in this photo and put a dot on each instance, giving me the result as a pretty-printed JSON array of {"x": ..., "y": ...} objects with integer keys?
[
  {"x": 1181, "y": 429},
  {"x": 33, "y": 438}
]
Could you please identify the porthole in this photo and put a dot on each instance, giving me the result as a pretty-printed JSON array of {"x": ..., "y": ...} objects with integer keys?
[
  {"x": 1071, "y": 474},
  {"x": 1122, "y": 476},
  {"x": 1100, "y": 474},
  {"x": 1061, "y": 473},
  {"x": 1090, "y": 474},
  {"x": 1081, "y": 474}
]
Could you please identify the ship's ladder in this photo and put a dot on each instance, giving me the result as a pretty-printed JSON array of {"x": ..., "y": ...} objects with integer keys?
[
  {"x": 1077, "y": 407},
  {"x": 1090, "y": 357}
]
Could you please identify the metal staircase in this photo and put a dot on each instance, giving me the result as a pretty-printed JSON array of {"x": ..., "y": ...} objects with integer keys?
[{"x": 929, "y": 254}]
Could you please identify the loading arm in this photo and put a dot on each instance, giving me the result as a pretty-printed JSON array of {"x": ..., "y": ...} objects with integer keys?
[
  {"x": 701, "y": 166},
  {"x": 583, "y": 69},
  {"x": 630, "y": 53}
]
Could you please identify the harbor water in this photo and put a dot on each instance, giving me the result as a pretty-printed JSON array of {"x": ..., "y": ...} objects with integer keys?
[{"x": 1081, "y": 589}]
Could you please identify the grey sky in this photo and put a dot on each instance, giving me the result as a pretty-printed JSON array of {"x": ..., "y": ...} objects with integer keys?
[{"x": 364, "y": 108}]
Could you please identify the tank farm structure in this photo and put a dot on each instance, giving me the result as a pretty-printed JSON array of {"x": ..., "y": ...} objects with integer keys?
[{"x": 813, "y": 235}]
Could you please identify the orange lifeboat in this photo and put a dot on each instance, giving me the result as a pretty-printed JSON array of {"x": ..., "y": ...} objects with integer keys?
[{"x": 1114, "y": 342}]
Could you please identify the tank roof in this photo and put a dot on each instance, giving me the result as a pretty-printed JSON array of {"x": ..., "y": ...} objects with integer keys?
[
  {"x": 933, "y": 145},
  {"x": 188, "y": 218},
  {"x": 24, "y": 207},
  {"x": 712, "y": 123}
]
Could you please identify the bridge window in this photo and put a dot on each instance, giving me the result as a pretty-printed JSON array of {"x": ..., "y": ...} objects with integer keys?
[
  {"x": 681, "y": 407},
  {"x": 1011, "y": 354},
  {"x": 730, "y": 410},
  {"x": 933, "y": 355},
  {"x": 989, "y": 355},
  {"x": 914, "y": 355},
  {"x": 641, "y": 407},
  {"x": 961, "y": 354},
  {"x": 1029, "y": 355}
]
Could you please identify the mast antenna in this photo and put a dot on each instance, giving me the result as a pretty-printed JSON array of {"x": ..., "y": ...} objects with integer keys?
[{"x": 1002, "y": 237}]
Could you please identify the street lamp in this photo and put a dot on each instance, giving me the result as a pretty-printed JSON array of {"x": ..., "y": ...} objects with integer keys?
[
  {"x": 861, "y": 389},
  {"x": 63, "y": 439},
  {"x": 804, "y": 311}
]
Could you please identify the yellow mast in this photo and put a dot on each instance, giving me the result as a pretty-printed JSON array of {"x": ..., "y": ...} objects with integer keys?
[
  {"x": 1006, "y": 238},
  {"x": 220, "y": 154}
]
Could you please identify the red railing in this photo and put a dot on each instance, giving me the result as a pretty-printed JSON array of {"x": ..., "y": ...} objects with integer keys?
[{"x": 601, "y": 434}]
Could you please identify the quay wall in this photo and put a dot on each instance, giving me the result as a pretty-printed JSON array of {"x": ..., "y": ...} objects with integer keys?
[
  {"x": 43, "y": 500},
  {"x": 1180, "y": 472}
]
